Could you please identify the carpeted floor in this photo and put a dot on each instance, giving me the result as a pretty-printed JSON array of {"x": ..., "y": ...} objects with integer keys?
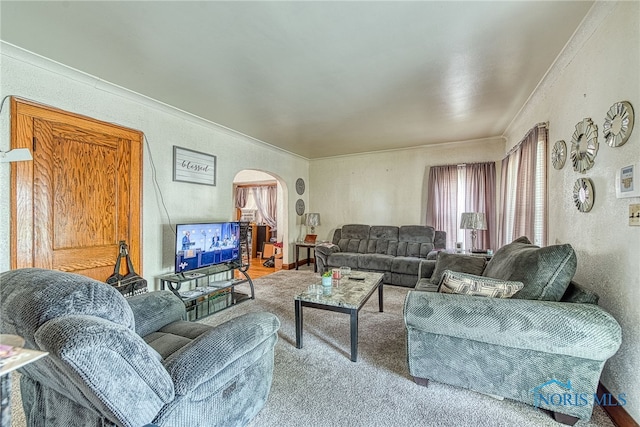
[{"x": 318, "y": 385}]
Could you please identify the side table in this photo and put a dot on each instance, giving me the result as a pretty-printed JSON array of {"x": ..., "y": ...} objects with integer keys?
[
  {"x": 8, "y": 364},
  {"x": 309, "y": 246}
]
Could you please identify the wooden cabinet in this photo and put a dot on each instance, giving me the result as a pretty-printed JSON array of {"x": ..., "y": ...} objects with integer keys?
[{"x": 260, "y": 234}]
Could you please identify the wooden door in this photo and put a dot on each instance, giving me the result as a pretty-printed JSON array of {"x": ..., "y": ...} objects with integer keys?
[{"x": 79, "y": 197}]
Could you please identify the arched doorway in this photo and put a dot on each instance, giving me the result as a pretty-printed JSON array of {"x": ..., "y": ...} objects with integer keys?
[{"x": 260, "y": 197}]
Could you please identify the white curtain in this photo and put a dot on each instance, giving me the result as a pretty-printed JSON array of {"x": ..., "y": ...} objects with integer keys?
[
  {"x": 266, "y": 200},
  {"x": 523, "y": 189}
]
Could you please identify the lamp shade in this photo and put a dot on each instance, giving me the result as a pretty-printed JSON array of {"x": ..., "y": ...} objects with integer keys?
[
  {"x": 473, "y": 221},
  {"x": 313, "y": 219}
]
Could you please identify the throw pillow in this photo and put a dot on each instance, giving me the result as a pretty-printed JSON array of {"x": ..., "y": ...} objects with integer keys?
[
  {"x": 469, "y": 284},
  {"x": 456, "y": 262},
  {"x": 546, "y": 272}
]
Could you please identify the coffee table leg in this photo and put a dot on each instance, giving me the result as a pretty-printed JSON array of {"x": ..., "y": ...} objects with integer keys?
[
  {"x": 298, "y": 324},
  {"x": 380, "y": 299},
  {"x": 354, "y": 335}
]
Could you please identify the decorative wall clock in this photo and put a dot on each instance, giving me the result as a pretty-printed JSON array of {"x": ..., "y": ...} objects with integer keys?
[
  {"x": 618, "y": 124},
  {"x": 559, "y": 154},
  {"x": 300, "y": 186},
  {"x": 300, "y": 207},
  {"x": 583, "y": 194},
  {"x": 584, "y": 145}
]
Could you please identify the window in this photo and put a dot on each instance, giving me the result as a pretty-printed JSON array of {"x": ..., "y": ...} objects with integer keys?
[
  {"x": 523, "y": 190},
  {"x": 454, "y": 189}
]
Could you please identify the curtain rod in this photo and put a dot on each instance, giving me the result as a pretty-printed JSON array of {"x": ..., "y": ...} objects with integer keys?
[{"x": 541, "y": 125}]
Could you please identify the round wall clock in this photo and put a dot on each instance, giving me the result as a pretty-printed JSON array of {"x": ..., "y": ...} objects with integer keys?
[
  {"x": 300, "y": 186},
  {"x": 618, "y": 124},
  {"x": 559, "y": 154},
  {"x": 583, "y": 194},
  {"x": 300, "y": 207},
  {"x": 584, "y": 145}
]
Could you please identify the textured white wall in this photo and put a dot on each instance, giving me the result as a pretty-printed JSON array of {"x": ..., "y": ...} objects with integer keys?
[
  {"x": 599, "y": 67},
  {"x": 28, "y": 76},
  {"x": 385, "y": 188}
]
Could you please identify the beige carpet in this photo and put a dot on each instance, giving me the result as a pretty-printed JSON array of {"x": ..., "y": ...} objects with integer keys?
[{"x": 318, "y": 385}]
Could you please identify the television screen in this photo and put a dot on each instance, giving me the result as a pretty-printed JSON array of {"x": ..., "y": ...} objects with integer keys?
[{"x": 205, "y": 244}]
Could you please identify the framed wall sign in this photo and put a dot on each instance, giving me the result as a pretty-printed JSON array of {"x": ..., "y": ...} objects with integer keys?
[
  {"x": 193, "y": 166},
  {"x": 628, "y": 181}
]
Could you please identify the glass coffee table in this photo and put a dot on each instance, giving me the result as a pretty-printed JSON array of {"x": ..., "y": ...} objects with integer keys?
[{"x": 347, "y": 296}]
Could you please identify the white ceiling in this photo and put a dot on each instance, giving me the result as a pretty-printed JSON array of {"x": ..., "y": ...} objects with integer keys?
[{"x": 314, "y": 78}]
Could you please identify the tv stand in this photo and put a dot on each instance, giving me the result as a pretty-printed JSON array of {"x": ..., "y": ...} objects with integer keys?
[{"x": 203, "y": 296}]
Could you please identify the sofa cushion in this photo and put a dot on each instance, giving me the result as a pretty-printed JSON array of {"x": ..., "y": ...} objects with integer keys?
[
  {"x": 426, "y": 286},
  {"x": 456, "y": 262},
  {"x": 577, "y": 294},
  {"x": 384, "y": 232},
  {"x": 383, "y": 239},
  {"x": 545, "y": 272},
  {"x": 355, "y": 231},
  {"x": 415, "y": 240},
  {"x": 406, "y": 265},
  {"x": 358, "y": 246},
  {"x": 468, "y": 284},
  {"x": 40, "y": 295},
  {"x": 374, "y": 262},
  {"x": 343, "y": 259},
  {"x": 416, "y": 233}
]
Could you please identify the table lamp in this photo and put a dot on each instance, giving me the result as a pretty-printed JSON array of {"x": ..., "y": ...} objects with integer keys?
[
  {"x": 473, "y": 221},
  {"x": 312, "y": 221}
]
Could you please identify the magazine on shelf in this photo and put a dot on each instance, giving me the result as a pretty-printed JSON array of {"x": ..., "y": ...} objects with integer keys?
[
  {"x": 12, "y": 358},
  {"x": 190, "y": 294}
]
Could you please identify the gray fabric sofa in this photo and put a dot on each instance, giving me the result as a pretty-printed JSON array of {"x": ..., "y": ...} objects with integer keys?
[
  {"x": 549, "y": 339},
  {"x": 394, "y": 251},
  {"x": 131, "y": 362}
]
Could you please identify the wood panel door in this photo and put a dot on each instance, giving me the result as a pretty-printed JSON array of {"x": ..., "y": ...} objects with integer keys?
[{"x": 81, "y": 194}]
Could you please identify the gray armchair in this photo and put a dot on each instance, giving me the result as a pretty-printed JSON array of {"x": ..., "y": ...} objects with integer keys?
[
  {"x": 547, "y": 341},
  {"x": 130, "y": 362}
]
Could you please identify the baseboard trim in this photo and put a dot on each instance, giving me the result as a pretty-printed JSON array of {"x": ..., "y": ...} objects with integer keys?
[{"x": 618, "y": 414}]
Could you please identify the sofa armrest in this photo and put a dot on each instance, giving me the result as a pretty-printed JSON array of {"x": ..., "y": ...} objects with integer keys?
[
  {"x": 587, "y": 330},
  {"x": 211, "y": 352},
  {"x": 322, "y": 252},
  {"x": 326, "y": 249},
  {"x": 109, "y": 364},
  {"x": 426, "y": 268},
  {"x": 433, "y": 255},
  {"x": 154, "y": 310}
]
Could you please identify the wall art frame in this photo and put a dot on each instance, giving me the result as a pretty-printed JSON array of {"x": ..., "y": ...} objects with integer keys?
[
  {"x": 194, "y": 166},
  {"x": 628, "y": 181}
]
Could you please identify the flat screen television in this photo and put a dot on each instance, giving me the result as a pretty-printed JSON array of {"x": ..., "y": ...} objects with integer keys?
[{"x": 205, "y": 244}]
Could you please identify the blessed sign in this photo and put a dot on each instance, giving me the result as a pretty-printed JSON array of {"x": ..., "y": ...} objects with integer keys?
[{"x": 193, "y": 166}]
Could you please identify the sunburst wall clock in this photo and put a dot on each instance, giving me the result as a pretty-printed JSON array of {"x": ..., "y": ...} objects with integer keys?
[
  {"x": 559, "y": 154},
  {"x": 618, "y": 124},
  {"x": 583, "y": 195},
  {"x": 584, "y": 145}
]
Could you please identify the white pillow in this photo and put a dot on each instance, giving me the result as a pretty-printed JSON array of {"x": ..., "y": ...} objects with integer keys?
[{"x": 468, "y": 284}]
